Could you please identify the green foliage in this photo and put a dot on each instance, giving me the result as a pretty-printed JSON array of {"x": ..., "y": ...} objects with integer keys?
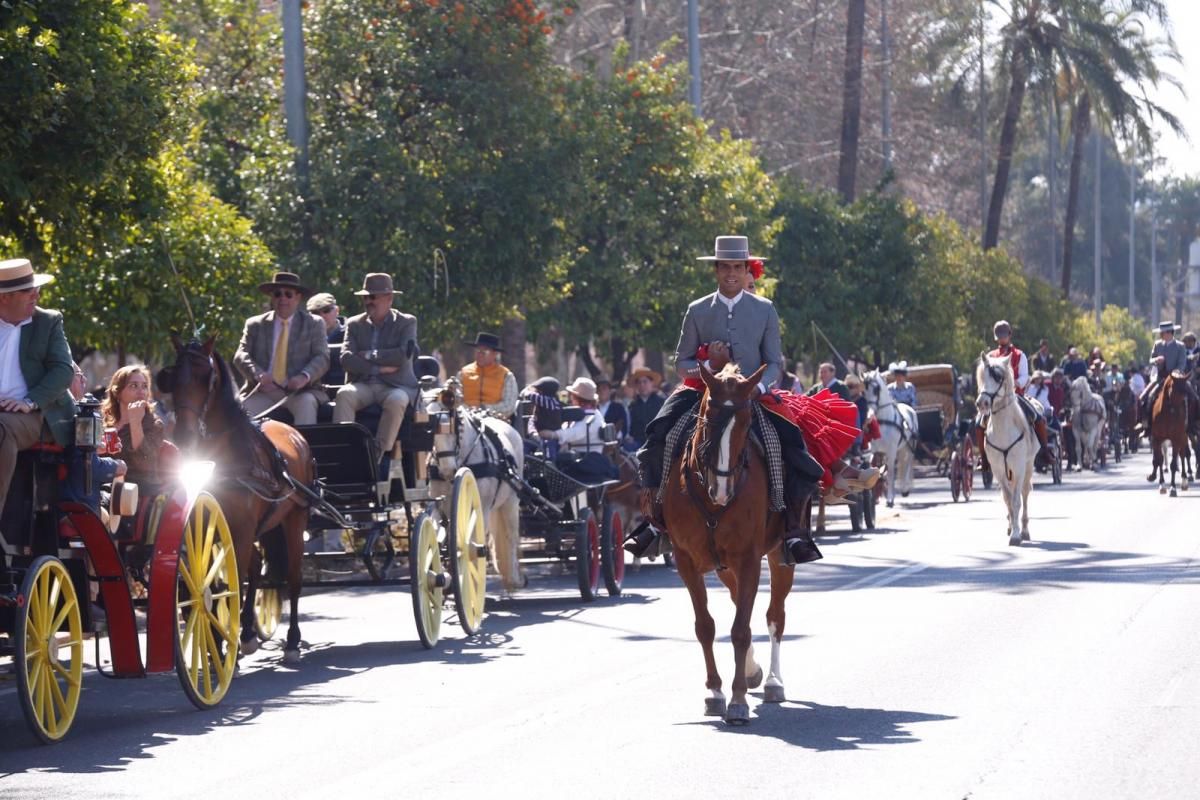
[
  {"x": 127, "y": 297},
  {"x": 91, "y": 93},
  {"x": 647, "y": 190},
  {"x": 1121, "y": 337}
]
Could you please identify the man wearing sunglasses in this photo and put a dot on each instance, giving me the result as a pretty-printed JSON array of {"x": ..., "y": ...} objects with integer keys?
[
  {"x": 283, "y": 354},
  {"x": 378, "y": 354},
  {"x": 324, "y": 307}
]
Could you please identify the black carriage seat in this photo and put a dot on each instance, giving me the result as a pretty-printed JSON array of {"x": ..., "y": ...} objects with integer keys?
[
  {"x": 931, "y": 427},
  {"x": 347, "y": 460}
]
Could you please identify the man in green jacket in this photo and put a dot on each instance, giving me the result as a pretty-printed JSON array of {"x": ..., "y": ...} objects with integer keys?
[{"x": 35, "y": 368}]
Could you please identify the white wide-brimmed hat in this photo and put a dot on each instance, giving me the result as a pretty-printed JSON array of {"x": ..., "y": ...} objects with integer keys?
[
  {"x": 898, "y": 366},
  {"x": 17, "y": 274},
  {"x": 584, "y": 388}
]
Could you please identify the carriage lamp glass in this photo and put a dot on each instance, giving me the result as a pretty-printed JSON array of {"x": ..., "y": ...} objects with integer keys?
[{"x": 89, "y": 427}]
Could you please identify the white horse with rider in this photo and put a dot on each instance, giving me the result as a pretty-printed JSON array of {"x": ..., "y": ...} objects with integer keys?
[
  {"x": 492, "y": 448},
  {"x": 898, "y": 432},
  {"x": 1010, "y": 440},
  {"x": 1088, "y": 414}
]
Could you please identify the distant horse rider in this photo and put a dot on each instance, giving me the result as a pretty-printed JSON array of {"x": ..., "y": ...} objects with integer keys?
[
  {"x": 1169, "y": 355},
  {"x": 1002, "y": 332}
]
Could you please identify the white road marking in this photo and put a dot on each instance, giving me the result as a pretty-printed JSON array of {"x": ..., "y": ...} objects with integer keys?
[{"x": 885, "y": 577}]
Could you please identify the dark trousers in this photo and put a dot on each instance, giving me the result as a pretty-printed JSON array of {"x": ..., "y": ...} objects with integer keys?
[{"x": 796, "y": 458}]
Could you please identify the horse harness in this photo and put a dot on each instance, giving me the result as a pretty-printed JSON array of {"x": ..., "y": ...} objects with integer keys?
[
  {"x": 906, "y": 436},
  {"x": 736, "y": 473},
  {"x": 995, "y": 408}
]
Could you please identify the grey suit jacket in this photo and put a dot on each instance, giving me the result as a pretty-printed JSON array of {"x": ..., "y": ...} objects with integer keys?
[
  {"x": 308, "y": 351},
  {"x": 396, "y": 346},
  {"x": 752, "y": 331},
  {"x": 1175, "y": 353}
]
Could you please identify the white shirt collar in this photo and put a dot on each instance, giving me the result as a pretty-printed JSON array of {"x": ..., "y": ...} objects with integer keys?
[
  {"x": 728, "y": 301},
  {"x": 20, "y": 324}
]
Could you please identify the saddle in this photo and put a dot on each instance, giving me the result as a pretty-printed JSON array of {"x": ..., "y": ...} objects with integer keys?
[{"x": 763, "y": 436}]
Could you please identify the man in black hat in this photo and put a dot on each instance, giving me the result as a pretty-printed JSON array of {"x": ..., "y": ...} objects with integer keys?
[
  {"x": 487, "y": 385},
  {"x": 283, "y": 354}
]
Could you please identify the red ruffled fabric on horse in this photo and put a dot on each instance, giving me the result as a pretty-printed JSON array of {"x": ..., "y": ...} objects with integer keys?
[{"x": 828, "y": 423}]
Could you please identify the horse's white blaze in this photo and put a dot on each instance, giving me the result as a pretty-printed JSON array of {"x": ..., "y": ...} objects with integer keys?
[{"x": 721, "y": 494}]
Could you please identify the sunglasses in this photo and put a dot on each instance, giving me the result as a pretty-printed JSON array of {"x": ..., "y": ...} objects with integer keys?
[{"x": 285, "y": 293}]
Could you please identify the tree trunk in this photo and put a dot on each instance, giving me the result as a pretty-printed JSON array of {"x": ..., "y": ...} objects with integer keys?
[
  {"x": 1081, "y": 123},
  {"x": 851, "y": 99},
  {"x": 585, "y": 355},
  {"x": 512, "y": 339},
  {"x": 635, "y": 14},
  {"x": 1019, "y": 70}
]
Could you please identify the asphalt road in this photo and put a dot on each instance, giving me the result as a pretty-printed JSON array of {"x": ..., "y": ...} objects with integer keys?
[{"x": 927, "y": 659}]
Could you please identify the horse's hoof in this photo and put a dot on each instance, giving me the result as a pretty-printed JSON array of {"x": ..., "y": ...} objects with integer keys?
[
  {"x": 1173, "y": 493},
  {"x": 714, "y": 706},
  {"x": 773, "y": 694},
  {"x": 291, "y": 656},
  {"x": 1162, "y": 490},
  {"x": 904, "y": 494},
  {"x": 889, "y": 505},
  {"x": 250, "y": 646},
  {"x": 755, "y": 680},
  {"x": 1014, "y": 541},
  {"x": 738, "y": 714}
]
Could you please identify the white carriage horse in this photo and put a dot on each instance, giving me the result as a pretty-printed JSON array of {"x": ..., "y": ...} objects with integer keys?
[
  {"x": 1010, "y": 441},
  {"x": 897, "y": 431},
  {"x": 1087, "y": 422},
  {"x": 465, "y": 443}
]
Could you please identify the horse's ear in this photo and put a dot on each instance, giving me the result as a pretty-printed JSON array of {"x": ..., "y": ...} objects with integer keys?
[
  {"x": 756, "y": 378},
  {"x": 164, "y": 381},
  {"x": 983, "y": 357},
  {"x": 208, "y": 345},
  {"x": 707, "y": 376},
  {"x": 176, "y": 341}
]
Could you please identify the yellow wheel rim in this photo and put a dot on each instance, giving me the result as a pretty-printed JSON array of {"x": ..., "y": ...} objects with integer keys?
[
  {"x": 427, "y": 581},
  {"x": 470, "y": 540},
  {"x": 208, "y": 603},
  {"x": 50, "y": 648},
  {"x": 268, "y": 607}
]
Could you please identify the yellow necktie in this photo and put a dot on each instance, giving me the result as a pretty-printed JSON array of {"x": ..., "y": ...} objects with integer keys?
[{"x": 279, "y": 363}]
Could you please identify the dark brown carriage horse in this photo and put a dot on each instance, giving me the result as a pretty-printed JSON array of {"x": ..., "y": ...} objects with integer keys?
[
  {"x": 258, "y": 503},
  {"x": 1169, "y": 424},
  {"x": 715, "y": 504}
]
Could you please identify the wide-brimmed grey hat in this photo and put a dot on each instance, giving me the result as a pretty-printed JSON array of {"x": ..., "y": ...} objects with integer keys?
[
  {"x": 16, "y": 274},
  {"x": 284, "y": 280},
  {"x": 377, "y": 283},
  {"x": 731, "y": 248},
  {"x": 1166, "y": 326}
]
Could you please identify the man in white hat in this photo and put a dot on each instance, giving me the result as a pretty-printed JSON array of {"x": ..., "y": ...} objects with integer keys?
[
  {"x": 283, "y": 354},
  {"x": 381, "y": 344},
  {"x": 35, "y": 368}
]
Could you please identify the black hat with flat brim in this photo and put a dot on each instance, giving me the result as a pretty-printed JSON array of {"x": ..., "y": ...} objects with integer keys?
[{"x": 488, "y": 340}]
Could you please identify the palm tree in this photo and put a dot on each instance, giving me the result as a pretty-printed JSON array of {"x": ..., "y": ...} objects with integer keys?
[
  {"x": 851, "y": 99},
  {"x": 1109, "y": 63}
]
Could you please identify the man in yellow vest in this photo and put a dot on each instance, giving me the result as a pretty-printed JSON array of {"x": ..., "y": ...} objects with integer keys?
[{"x": 487, "y": 385}]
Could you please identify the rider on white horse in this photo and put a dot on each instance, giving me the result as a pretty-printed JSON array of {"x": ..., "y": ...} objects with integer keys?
[{"x": 1002, "y": 332}]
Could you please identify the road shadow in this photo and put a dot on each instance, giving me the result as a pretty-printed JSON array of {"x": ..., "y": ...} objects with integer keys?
[{"x": 823, "y": 728}]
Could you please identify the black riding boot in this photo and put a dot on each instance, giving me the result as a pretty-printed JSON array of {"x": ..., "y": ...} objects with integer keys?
[
  {"x": 798, "y": 544},
  {"x": 645, "y": 540}
]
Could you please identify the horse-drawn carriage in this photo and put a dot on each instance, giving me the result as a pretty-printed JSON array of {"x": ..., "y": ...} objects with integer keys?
[
  {"x": 54, "y": 549},
  {"x": 943, "y": 429}
]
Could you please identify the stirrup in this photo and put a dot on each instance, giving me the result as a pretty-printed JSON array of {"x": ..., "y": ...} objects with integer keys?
[{"x": 644, "y": 541}]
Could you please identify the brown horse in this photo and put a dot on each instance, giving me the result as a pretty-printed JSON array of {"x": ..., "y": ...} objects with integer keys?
[
  {"x": 257, "y": 500},
  {"x": 716, "y": 507},
  {"x": 1169, "y": 424}
]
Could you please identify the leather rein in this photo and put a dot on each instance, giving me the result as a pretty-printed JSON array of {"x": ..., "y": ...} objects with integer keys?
[{"x": 695, "y": 478}]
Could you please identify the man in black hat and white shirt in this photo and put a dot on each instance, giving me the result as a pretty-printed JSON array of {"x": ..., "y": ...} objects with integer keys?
[
  {"x": 378, "y": 354},
  {"x": 283, "y": 354}
]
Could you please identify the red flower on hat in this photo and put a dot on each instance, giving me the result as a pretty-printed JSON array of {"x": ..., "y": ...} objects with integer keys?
[{"x": 755, "y": 265}]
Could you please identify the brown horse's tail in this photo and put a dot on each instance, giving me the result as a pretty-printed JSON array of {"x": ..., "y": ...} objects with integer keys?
[{"x": 274, "y": 549}]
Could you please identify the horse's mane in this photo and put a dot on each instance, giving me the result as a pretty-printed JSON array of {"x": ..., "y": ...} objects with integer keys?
[
  {"x": 730, "y": 370},
  {"x": 227, "y": 403}
]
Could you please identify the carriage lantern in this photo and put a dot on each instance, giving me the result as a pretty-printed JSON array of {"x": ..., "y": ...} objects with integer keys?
[{"x": 89, "y": 426}]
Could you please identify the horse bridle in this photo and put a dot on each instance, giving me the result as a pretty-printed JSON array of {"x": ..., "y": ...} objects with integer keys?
[
  {"x": 998, "y": 374},
  {"x": 202, "y": 412}
]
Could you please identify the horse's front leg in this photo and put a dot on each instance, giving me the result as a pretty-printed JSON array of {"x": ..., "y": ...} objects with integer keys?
[
  {"x": 293, "y": 532},
  {"x": 754, "y": 672},
  {"x": 892, "y": 457},
  {"x": 1015, "y": 509},
  {"x": 781, "y": 583},
  {"x": 706, "y": 629},
  {"x": 1026, "y": 487},
  {"x": 739, "y": 634}
]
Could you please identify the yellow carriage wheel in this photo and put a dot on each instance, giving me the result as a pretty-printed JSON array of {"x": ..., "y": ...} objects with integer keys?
[
  {"x": 428, "y": 580},
  {"x": 268, "y": 608},
  {"x": 49, "y": 649},
  {"x": 207, "y": 602},
  {"x": 468, "y": 551}
]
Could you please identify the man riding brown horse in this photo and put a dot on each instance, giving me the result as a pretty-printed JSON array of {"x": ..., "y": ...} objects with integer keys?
[
  {"x": 734, "y": 326},
  {"x": 1169, "y": 356}
]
